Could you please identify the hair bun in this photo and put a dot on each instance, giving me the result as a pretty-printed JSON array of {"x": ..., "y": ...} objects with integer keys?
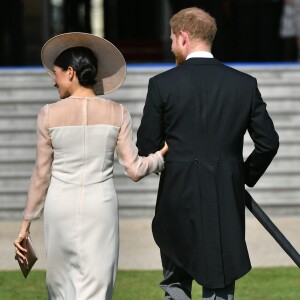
[{"x": 86, "y": 74}]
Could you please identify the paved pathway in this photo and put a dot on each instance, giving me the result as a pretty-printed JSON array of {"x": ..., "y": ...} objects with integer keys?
[{"x": 138, "y": 250}]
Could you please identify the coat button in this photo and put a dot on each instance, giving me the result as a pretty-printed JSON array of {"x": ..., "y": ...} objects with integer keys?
[
  {"x": 219, "y": 160},
  {"x": 195, "y": 161}
]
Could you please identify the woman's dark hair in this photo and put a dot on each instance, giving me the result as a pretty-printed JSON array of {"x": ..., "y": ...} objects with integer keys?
[{"x": 83, "y": 62}]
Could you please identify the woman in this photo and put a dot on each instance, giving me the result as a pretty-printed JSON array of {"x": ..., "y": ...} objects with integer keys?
[{"x": 73, "y": 176}]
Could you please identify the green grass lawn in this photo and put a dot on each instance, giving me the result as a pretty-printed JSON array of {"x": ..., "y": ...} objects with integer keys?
[{"x": 261, "y": 283}]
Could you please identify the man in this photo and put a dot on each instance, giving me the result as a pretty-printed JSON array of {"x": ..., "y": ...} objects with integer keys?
[{"x": 202, "y": 109}]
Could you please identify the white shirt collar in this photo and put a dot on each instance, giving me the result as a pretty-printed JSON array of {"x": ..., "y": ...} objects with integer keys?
[{"x": 204, "y": 54}]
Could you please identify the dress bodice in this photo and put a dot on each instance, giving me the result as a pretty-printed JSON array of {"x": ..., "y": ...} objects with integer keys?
[
  {"x": 76, "y": 142},
  {"x": 83, "y": 154}
]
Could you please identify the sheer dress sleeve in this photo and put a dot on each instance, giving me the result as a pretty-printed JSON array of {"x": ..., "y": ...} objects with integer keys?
[
  {"x": 136, "y": 167},
  {"x": 41, "y": 174}
]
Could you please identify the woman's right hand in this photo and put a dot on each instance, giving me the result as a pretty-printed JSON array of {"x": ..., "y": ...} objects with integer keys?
[{"x": 163, "y": 151}]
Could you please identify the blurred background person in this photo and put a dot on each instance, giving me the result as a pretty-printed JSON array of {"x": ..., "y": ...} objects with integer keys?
[{"x": 290, "y": 30}]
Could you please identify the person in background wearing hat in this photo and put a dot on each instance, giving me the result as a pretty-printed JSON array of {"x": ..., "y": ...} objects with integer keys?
[
  {"x": 202, "y": 109},
  {"x": 72, "y": 180}
]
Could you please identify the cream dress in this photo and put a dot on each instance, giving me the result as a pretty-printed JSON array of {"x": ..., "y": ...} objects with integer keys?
[{"x": 73, "y": 183}]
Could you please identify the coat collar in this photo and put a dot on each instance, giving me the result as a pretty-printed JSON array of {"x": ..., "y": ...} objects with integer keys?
[{"x": 201, "y": 61}]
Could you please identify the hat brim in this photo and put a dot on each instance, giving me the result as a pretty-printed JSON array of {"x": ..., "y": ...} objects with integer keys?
[{"x": 111, "y": 63}]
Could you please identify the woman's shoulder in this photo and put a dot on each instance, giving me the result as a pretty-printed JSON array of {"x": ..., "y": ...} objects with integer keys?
[
  {"x": 109, "y": 102},
  {"x": 54, "y": 103},
  {"x": 113, "y": 105}
]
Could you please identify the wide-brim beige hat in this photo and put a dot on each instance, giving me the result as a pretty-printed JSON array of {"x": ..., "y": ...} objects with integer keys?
[{"x": 111, "y": 63}]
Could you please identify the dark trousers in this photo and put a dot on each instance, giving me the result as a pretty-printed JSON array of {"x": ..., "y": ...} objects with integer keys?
[{"x": 177, "y": 284}]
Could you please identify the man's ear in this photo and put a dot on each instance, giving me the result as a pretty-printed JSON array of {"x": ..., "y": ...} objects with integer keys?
[{"x": 184, "y": 37}]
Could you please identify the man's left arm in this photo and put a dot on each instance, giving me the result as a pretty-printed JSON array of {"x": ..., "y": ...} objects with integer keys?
[{"x": 150, "y": 135}]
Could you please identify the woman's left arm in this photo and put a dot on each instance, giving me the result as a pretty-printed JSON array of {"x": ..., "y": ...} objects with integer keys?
[
  {"x": 40, "y": 178},
  {"x": 41, "y": 174}
]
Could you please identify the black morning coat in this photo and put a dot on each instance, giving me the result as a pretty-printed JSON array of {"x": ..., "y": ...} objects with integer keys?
[{"x": 203, "y": 108}]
